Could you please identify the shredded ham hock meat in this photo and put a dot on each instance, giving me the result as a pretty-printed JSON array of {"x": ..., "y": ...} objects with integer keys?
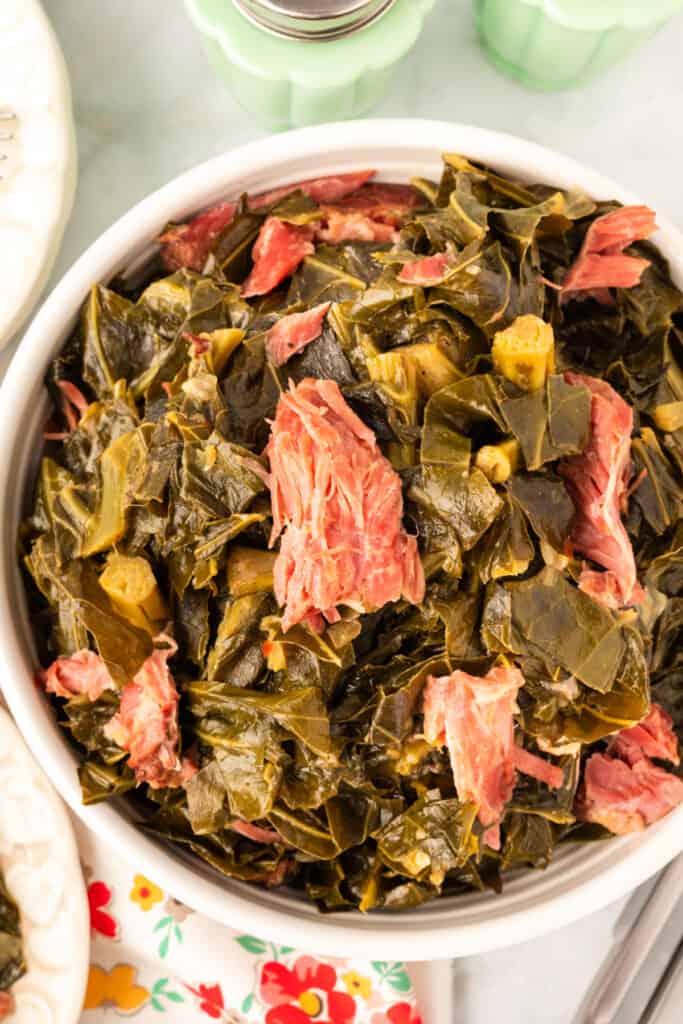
[
  {"x": 292, "y": 333},
  {"x": 473, "y": 717},
  {"x": 338, "y": 504},
  {"x": 188, "y": 245},
  {"x": 146, "y": 724},
  {"x": 278, "y": 251},
  {"x": 350, "y": 210},
  {"x": 623, "y": 790},
  {"x": 602, "y": 263},
  {"x": 382, "y": 202},
  {"x": 653, "y": 737},
  {"x": 82, "y": 674},
  {"x": 330, "y": 189},
  {"x": 625, "y": 798},
  {"x": 597, "y": 481},
  {"x": 429, "y": 270}
]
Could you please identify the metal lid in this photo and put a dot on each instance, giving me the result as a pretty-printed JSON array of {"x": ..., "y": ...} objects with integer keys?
[{"x": 313, "y": 19}]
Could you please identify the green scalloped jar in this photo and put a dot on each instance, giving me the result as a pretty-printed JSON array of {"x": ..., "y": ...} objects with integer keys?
[
  {"x": 557, "y": 44},
  {"x": 298, "y": 62}
]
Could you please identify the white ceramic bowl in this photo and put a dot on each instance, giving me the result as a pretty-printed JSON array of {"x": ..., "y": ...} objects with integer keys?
[{"x": 581, "y": 879}]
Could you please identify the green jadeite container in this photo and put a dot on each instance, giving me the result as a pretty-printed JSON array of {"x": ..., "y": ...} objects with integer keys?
[
  {"x": 556, "y": 44},
  {"x": 289, "y": 83}
]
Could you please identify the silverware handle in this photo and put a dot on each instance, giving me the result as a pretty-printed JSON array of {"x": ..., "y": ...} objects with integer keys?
[
  {"x": 665, "y": 1005},
  {"x": 638, "y": 943},
  {"x": 434, "y": 989}
]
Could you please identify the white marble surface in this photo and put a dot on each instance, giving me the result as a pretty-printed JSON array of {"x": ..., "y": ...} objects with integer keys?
[{"x": 147, "y": 107}]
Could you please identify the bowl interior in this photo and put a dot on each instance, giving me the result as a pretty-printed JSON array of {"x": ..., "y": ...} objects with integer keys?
[{"x": 582, "y": 878}]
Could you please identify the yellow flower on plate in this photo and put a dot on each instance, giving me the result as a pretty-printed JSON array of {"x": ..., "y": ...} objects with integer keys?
[
  {"x": 115, "y": 987},
  {"x": 357, "y": 984},
  {"x": 310, "y": 1003},
  {"x": 145, "y": 893}
]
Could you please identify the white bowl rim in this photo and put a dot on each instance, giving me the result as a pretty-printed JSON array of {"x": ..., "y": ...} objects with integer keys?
[{"x": 530, "y": 905}]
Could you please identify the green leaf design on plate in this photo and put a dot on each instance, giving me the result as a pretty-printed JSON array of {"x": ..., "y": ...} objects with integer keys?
[
  {"x": 394, "y": 974},
  {"x": 251, "y": 944},
  {"x": 247, "y": 1003},
  {"x": 398, "y": 979},
  {"x": 159, "y": 992}
]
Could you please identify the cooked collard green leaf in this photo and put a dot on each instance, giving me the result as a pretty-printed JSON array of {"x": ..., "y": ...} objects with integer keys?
[{"x": 330, "y": 756}]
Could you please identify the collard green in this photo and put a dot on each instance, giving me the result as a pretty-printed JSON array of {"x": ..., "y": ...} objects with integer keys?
[
  {"x": 301, "y": 754},
  {"x": 12, "y": 962}
]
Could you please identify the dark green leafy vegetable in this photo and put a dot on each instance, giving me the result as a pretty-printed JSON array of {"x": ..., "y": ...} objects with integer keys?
[
  {"x": 301, "y": 712},
  {"x": 12, "y": 963},
  {"x": 546, "y": 504},
  {"x": 529, "y": 841},
  {"x": 429, "y": 840},
  {"x": 547, "y": 617},
  {"x": 305, "y": 757},
  {"x": 548, "y": 423}
]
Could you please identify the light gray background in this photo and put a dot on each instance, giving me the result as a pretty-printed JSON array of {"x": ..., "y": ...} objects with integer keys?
[{"x": 147, "y": 107}]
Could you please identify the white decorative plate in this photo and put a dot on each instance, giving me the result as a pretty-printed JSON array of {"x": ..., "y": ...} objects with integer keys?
[
  {"x": 40, "y": 863},
  {"x": 38, "y": 164}
]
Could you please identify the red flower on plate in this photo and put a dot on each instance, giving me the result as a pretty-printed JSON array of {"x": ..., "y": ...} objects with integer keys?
[
  {"x": 303, "y": 993},
  {"x": 403, "y": 1013},
  {"x": 399, "y": 1013},
  {"x": 211, "y": 1000},
  {"x": 99, "y": 897}
]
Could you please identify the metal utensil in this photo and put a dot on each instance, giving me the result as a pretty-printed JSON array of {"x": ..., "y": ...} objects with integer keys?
[
  {"x": 434, "y": 989},
  {"x": 632, "y": 948},
  {"x": 666, "y": 1002}
]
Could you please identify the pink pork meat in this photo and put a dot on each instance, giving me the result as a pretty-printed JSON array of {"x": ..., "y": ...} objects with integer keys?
[
  {"x": 430, "y": 270},
  {"x": 338, "y": 504},
  {"x": 602, "y": 263},
  {"x": 384, "y": 202},
  {"x": 373, "y": 213},
  {"x": 330, "y": 189},
  {"x": 597, "y": 481},
  {"x": 292, "y": 333},
  {"x": 146, "y": 724},
  {"x": 278, "y": 251},
  {"x": 622, "y": 789},
  {"x": 255, "y": 832},
  {"x": 474, "y": 717},
  {"x": 188, "y": 245},
  {"x": 537, "y": 767},
  {"x": 653, "y": 737},
  {"x": 341, "y": 226},
  {"x": 82, "y": 674},
  {"x": 626, "y": 798}
]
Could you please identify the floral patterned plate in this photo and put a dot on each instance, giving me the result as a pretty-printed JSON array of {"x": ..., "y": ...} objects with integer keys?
[
  {"x": 153, "y": 959},
  {"x": 40, "y": 864}
]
